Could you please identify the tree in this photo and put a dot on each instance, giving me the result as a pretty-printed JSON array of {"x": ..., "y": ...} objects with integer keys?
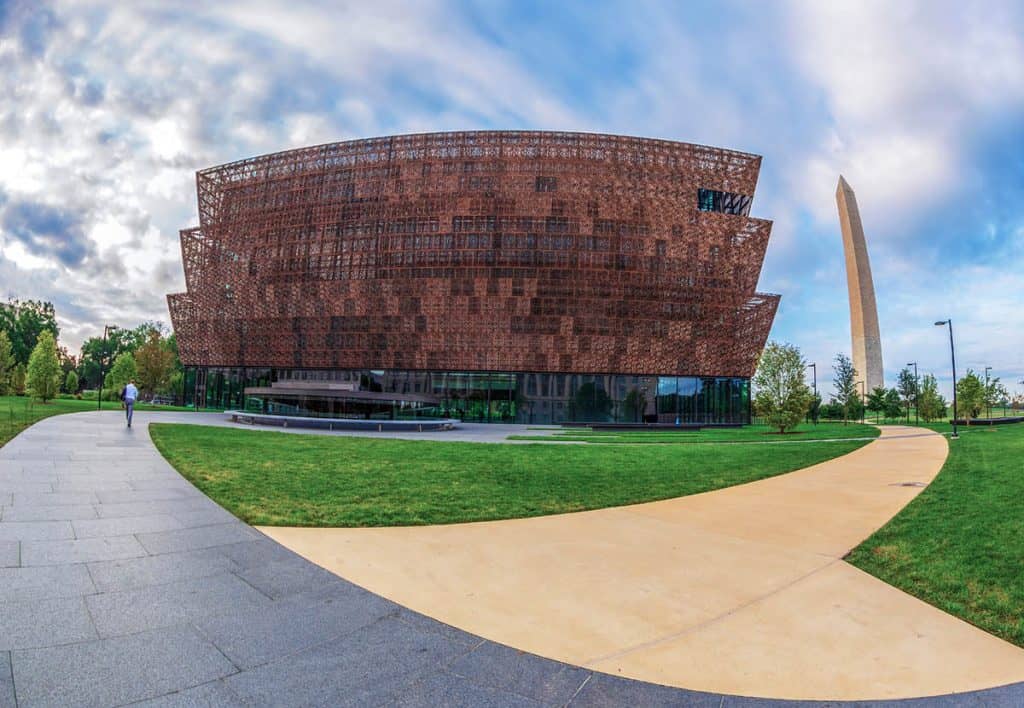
[
  {"x": 7, "y": 364},
  {"x": 782, "y": 396},
  {"x": 43, "y": 376},
  {"x": 845, "y": 382},
  {"x": 120, "y": 374},
  {"x": 906, "y": 385},
  {"x": 71, "y": 382},
  {"x": 18, "y": 380},
  {"x": 24, "y": 321},
  {"x": 876, "y": 400},
  {"x": 893, "y": 404},
  {"x": 995, "y": 393},
  {"x": 970, "y": 394},
  {"x": 155, "y": 364},
  {"x": 930, "y": 404}
]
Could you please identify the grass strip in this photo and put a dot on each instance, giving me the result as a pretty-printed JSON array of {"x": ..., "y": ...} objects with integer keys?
[
  {"x": 282, "y": 479},
  {"x": 960, "y": 544}
]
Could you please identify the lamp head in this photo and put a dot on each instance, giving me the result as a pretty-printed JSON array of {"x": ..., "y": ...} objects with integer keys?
[{"x": 939, "y": 324}]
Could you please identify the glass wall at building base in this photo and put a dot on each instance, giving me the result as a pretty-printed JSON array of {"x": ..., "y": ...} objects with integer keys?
[{"x": 484, "y": 397}]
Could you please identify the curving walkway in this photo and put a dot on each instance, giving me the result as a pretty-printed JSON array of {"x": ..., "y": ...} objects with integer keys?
[
  {"x": 740, "y": 591},
  {"x": 121, "y": 584}
]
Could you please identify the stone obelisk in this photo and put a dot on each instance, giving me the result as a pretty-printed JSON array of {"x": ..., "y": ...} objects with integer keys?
[{"x": 867, "y": 343}]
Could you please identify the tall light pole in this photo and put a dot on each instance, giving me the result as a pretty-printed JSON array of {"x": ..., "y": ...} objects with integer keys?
[
  {"x": 988, "y": 405},
  {"x": 863, "y": 400},
  {"x": 952, "y": 357},
  {"x": 107, "y": 329},
  {"x": 814, "y": 373},
  {"x": 917, "y": 394}
]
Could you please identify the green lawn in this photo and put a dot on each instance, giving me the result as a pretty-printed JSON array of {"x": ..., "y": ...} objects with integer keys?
[
  {"x": 19, "y": 412},
  {"x": 308, "y": 480},
  {"x": 748, "y": 433},
  {"x": 960, "y": 544}
]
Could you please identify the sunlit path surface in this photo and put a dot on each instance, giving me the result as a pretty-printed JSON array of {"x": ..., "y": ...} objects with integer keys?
[{"x": 738, "y": 591}]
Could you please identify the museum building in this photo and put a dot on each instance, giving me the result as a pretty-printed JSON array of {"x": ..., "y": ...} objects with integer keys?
[{"x": 497, "y": 276}]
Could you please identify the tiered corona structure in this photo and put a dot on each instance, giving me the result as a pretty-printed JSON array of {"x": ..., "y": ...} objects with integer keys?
[{"x": 553, "y": 272}]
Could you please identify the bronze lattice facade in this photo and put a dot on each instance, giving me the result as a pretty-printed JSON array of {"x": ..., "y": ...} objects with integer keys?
[{"x": 479, "y": 252}]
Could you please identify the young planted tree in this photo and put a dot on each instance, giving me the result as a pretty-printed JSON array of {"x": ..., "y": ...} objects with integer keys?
[
  {"x": 154, "y": 362},
  {"x": 876, "y": 400},
  {"x": 995, "y": 393},
  {"x": 844, "y": 380},
  {"x": 892, "y": 405},
  {"x": 930, "y": 404},
  {"x": 906, "y": 385},
  {"x": 7, "y": 364},
  {"x": 970, "y": 394},
  {"x": 18, "y": 380},
  {"x": 782, "y": 396},
  {"x": 71, "y": 382},
  {"x": 120, "y": 374},
  {"x": 43, "y": 376}
]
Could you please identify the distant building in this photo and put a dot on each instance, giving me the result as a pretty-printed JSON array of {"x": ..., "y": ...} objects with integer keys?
[
  {"x": 494, "y": 276},
  {"x": 866, "y": 340}
]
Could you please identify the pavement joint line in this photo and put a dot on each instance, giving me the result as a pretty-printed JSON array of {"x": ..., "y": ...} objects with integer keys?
[
  {"x": 710, "y": 621},
  {"x": 586, "y": 679}
]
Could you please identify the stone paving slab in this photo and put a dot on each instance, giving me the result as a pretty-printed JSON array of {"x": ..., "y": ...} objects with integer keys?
[
  {"x": 6, "y": 681},
  {"x": 214, "y": 613},
  {"x": 158, "y": 570},
  {"x": 44, "y": 622},
  {"x": 80, "y": 550},
  {"x": 113, "y": 672},
  {"x": 10, "y": 553},
  {"x": 44, "y": 582},
  {"x": 182, "y": 602}
]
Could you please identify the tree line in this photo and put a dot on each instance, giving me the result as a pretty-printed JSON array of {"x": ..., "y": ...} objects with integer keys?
[
  {"x": 783, "y": 398},
  {"x": 33, "y": 363}
]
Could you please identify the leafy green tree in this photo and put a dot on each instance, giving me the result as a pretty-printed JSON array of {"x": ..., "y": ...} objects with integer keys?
[
  {"x": 24, "y": 321},
  {"x": 931, "y": 405},
  {"x": 876, "y": 400},
  {"x": 995, "y": 393},
  {"x": 782, "y": 397},
  {"x": 155, "y": 364},
  {"x": 970, "y": 394},
  {"x": 7, "y": 364},
  {"x": 893, "y": 404},
  {"x": 43, "y": 376},
  {"x": 71, "y": 382},
  {"x": 120, "y": 374},
  {"x": 906, "y": 385},
  {"x": 844, "y": 380},
  {"x": 18, "y": 380}
]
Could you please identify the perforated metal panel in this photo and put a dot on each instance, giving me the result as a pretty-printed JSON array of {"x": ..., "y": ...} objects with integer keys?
[{"x": 491, "y": 251}]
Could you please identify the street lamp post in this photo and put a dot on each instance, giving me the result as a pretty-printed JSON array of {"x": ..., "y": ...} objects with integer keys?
[
  {"x": 952, "y": 358},
  {"x": 988, "y": 404},
  {"x": 863, "y": 400},
  {"x": 107, "y": 329},
  {"x": 917, "y": 395},
  {"x": 814, "y": 380}
]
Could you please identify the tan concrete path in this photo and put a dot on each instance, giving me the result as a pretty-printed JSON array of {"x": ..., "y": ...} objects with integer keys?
[{"x": 739, "y": 591}]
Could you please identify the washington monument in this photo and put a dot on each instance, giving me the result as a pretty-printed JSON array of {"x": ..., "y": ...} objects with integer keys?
[{"x": 867, "y": 343}]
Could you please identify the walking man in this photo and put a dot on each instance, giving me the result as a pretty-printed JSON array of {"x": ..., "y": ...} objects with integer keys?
[{"x": 129, "y": 395}]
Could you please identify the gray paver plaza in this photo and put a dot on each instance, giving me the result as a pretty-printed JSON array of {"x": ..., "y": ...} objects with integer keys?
[{"x": 121, "y": 583}]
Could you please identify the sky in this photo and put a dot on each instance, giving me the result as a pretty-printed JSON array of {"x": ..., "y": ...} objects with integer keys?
[{"x": 107, "y": 110}]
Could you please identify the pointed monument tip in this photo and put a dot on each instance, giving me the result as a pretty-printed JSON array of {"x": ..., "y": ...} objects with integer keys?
[{"x": 843, "y": 186}]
